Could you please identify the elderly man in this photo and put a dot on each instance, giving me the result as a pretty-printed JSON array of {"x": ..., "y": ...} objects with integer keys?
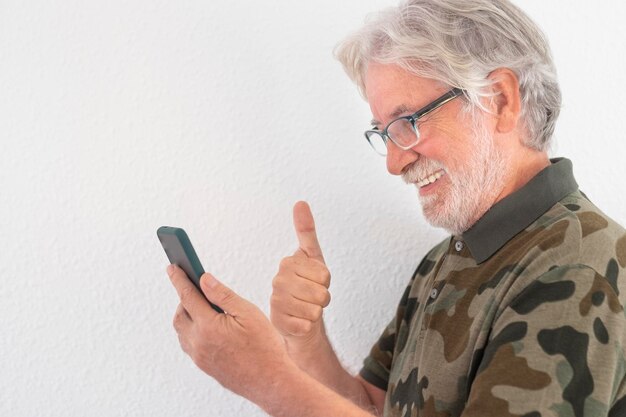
[{"x": 518, "y": 313}]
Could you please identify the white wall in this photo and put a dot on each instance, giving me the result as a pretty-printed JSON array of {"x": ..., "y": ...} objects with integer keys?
[{"x": 118, "y": 117}]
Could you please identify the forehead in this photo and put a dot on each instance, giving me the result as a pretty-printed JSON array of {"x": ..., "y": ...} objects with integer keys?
[{"x": 389, "y": 87}]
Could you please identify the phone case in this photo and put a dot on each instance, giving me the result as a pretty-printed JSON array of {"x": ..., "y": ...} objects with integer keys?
[{"x": 180, "y": 251}]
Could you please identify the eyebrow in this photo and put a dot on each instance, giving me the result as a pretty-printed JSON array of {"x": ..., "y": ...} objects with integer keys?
[{"x": 396, "y": 113}]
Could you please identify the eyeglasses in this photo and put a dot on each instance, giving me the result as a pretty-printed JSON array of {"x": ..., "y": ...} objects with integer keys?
[{"x": 403, "y": 131}]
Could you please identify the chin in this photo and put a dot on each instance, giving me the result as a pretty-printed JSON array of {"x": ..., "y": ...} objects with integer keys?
[{"x": 442, "y": 215}]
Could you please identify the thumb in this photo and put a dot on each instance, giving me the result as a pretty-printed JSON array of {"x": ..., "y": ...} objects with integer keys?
[
  {"x": 305, "y": 230},
  {"x": 222, "y": 296}
]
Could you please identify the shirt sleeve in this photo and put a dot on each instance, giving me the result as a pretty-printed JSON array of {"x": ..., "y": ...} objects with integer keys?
[
  {"x": 556, "y": 350},
  {"x": 377, "y": 365}
]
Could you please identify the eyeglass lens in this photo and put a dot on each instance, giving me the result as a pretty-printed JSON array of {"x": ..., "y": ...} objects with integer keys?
[
  {"x": 400, "y": 131},
  {"x": 377, "y": 142}
]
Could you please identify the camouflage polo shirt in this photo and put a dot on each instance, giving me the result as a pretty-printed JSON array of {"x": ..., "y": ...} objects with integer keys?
[{"x": 522, "y": 315}]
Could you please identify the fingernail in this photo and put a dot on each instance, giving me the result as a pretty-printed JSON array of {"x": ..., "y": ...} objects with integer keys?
[
  {"x": 170, "y": 269},
  {"x": 212, "y": 281}
]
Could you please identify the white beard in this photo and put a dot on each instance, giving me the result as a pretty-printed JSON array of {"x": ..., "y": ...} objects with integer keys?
[{"x": 471, "y": 190}]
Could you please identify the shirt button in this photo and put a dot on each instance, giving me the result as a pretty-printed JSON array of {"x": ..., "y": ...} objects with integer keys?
[
  {"x": 458, "y": 246},
  {"x": 434, "y": 293}
]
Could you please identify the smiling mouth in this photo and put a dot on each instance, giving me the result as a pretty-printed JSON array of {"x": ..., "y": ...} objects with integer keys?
[{"x": 431, "y": 178}]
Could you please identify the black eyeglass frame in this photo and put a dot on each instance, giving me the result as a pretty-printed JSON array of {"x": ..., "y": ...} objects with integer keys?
[{"x": 413, "y": 119}]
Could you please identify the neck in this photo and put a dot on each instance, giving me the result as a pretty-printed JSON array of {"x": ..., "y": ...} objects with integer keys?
[{"x": 523, "y": 167}]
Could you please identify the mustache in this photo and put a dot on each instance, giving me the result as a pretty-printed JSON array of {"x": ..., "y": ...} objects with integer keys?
[{"x": 420, "y": 169}]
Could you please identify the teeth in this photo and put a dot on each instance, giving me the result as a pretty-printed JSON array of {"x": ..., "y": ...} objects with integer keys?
[{"x": 431, "y": 178}]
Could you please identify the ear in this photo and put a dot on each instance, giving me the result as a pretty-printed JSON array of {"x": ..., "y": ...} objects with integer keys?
[{"x": 507, "y": 101}]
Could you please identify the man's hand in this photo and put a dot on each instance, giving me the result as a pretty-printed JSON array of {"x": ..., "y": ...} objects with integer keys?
[
  {"x": 240, "y": 349},
  {"x": 300, "y": 288},
  {"x": 244, "y": 352}
]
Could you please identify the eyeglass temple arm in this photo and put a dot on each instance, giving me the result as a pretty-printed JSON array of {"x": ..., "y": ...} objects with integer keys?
[{"x": 452, "y": 94}]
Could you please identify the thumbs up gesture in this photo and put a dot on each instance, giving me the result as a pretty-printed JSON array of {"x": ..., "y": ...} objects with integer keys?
[{"x": 300, "y": 288}]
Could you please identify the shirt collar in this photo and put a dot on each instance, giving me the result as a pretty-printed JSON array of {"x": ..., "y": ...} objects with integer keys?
[{"x": 517, "y": 211}]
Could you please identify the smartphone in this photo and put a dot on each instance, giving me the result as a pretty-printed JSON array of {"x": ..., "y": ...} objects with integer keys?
[{"x": 180, "y": 251}]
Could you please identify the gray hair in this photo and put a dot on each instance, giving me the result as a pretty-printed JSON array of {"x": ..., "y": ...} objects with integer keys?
[{"x": 459, "y": 43}]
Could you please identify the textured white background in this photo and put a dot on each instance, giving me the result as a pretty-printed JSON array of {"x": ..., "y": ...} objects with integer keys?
[{"x": 118, "y": 117}]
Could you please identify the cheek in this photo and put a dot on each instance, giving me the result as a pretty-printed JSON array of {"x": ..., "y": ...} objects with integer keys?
[
  {"x": 455, "y": 134},
  {"x": 444, "y": 143}
]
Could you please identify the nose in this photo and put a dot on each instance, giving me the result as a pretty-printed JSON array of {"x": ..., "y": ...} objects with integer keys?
[{"x": 398, "y": 159}]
